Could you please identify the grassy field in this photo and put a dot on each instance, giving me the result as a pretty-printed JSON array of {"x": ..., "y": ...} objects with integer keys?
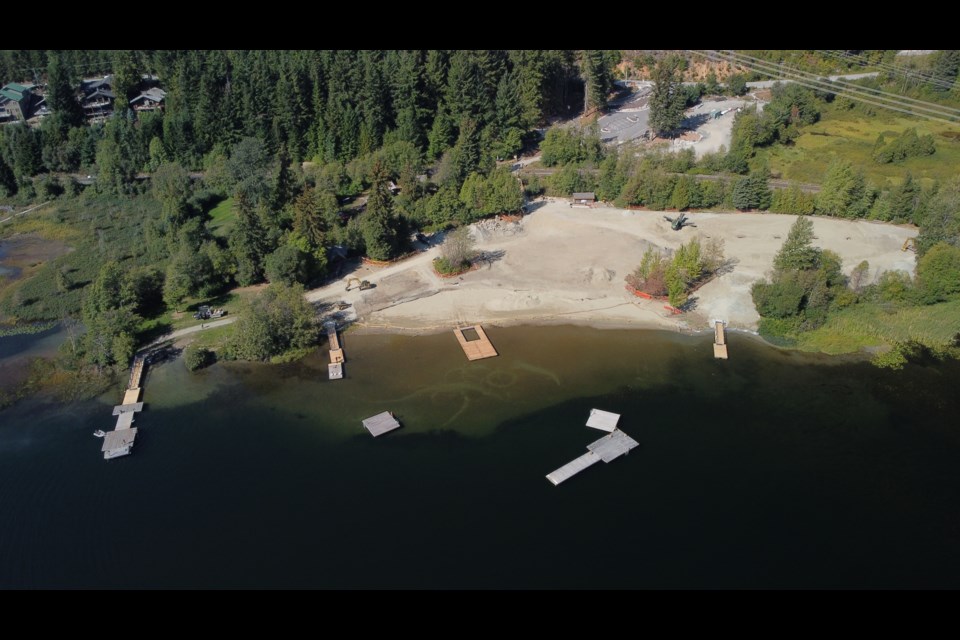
[
  {"x": 851, "y": 135},
  {"x": 872, "y": 324},
  {"x": 222, "y": 217}
]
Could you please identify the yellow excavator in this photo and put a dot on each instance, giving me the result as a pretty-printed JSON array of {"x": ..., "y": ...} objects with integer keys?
[
  {"x": 909, "y": 243},
  {"x": 362, "y": 284}
]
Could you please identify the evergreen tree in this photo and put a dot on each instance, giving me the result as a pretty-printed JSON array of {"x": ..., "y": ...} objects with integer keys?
[
  {"x": 248, "y": 241},
  {"x": 844, "y": 192},
  {"x": 668, "y": 99},
  {"x": 282, "y": 189},
  {"x": 597, "y": 79},
  {"x": 946, "y": 65},
  {"x": 379, "y": 226},
  {"x": 60, "y": 94},
  {"x": 798, "y": 251}
]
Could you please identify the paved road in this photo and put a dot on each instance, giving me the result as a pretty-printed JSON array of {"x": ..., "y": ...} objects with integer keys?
[{"x": 766, "y": 84}]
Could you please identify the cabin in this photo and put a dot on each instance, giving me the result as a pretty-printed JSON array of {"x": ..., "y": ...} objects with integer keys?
[
  {"x": 584, "y": 199},
  {"x": 149, "y": 100},
  {"x": 97, "y": 98}
]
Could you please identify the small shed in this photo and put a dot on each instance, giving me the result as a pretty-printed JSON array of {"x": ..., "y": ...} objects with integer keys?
[
  {"x": 381, "y": 424},
  {"x": 603, "y": 420},
  {"x": 118, "y": 443},
  {"x": 584, "y": 199}
]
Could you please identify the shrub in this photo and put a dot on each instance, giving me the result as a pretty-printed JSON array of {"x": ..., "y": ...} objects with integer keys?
[{"x": 198, "y": 357}]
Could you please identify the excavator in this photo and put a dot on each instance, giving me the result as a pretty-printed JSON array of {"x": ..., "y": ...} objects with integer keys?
[
  {"x": 909, "y": 243},
  {"x": 361, "y": 284},
  {"x": 679, "y": 222}
]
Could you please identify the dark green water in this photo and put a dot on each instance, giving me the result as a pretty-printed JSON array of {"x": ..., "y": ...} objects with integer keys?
[{"x": 770, "y": 470}]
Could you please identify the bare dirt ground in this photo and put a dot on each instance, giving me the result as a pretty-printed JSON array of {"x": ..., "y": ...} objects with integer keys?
[
  {"x": 715, "y": 132},
  {"x": 565, "y": 265}
]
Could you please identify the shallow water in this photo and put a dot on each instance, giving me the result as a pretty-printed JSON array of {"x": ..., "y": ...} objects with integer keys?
[{"x": 773, "y": 469}]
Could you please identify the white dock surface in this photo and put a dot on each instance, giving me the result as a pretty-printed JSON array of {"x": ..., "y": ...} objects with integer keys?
[
  {"x": 607, "y": 448},
  {"x": 603, "y": 420},
  {"x": 573, "y": 467}
]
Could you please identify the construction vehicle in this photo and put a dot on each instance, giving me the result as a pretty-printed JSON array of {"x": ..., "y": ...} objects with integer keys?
[
  {"x": 361, "y": 284},
  {"x": 909, "y": 243},
  {"x": 679, "y": 222}
]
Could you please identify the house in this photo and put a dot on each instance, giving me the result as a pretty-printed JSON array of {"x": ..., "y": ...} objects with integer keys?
[
  {"x": 17, "y": 102},
  {"x": 585, "y": 199},
  {"x": 97, "y": 98},
  {"x": 149, "y": 100}
]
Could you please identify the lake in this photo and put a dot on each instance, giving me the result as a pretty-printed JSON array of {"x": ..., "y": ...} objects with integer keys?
[{"x": 772, "y": 469}]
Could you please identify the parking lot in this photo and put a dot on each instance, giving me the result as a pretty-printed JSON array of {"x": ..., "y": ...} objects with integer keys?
[{"x": 629, "y": 121}]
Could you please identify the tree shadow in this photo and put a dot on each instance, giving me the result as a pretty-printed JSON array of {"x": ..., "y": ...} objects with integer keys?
[
  {"x": 489, "y": 257},
  {"x": 690, "y": 304},
  {"x": 696, "y": 120},
  {"x": 530, "y": 207},
  {"x": 727, "y": 266},
  {"x": 149, "y": 335}
]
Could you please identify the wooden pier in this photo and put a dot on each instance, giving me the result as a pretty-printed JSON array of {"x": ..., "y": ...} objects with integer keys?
[
  {"x": 136, "y": 373},
  {"x": 475, "y": 349},
  {"x": 335, "y": 368},
  {"x": 608, "y": 448},
  {"x": 719, "y": 340},
  {"x": 119, "y": 442}
]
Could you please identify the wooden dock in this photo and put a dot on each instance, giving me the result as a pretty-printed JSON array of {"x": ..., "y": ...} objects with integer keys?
[
  {"x": 119, "y": 442},
  {"x": 136, "y": 373},
  {"x": 719, "y": 340},
  {"x": 608, "y": 448},
  {"x": 475, "y": 349},
  {"x": 335, "y": 368}
]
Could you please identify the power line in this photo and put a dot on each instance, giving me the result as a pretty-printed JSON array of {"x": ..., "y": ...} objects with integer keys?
[
  {"x": 936, "y": 112},
  {"x": 893, "y": 69},
  {"x": 878, "y": 93}
]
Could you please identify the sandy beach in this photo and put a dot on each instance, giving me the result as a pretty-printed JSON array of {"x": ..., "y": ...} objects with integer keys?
[{"x": 563, "y": 265}]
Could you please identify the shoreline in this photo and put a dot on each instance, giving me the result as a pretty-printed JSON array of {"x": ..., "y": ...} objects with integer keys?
[{"x": 559, "y": 265}]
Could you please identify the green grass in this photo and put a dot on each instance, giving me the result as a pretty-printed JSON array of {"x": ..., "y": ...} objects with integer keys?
[
  {"x": 872, "y": 325},
  {"x": 851, "y": 135},
  {"x": 222, "y": 218},
  {"x": 212, "y": 339},
  {"x": 156, "y": 326}
]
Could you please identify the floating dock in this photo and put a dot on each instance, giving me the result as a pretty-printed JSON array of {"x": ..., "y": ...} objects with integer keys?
[
  {"x": 719, "y": 340},
  {"x": 603, "y": 420},
  {"x": 118, "y": 443},
  {"x": 607, "y": 448},
  {"x": 381, "y": 424},
  {"x": 475, "y": 349},
  {"x": 335, "y": 368}
]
